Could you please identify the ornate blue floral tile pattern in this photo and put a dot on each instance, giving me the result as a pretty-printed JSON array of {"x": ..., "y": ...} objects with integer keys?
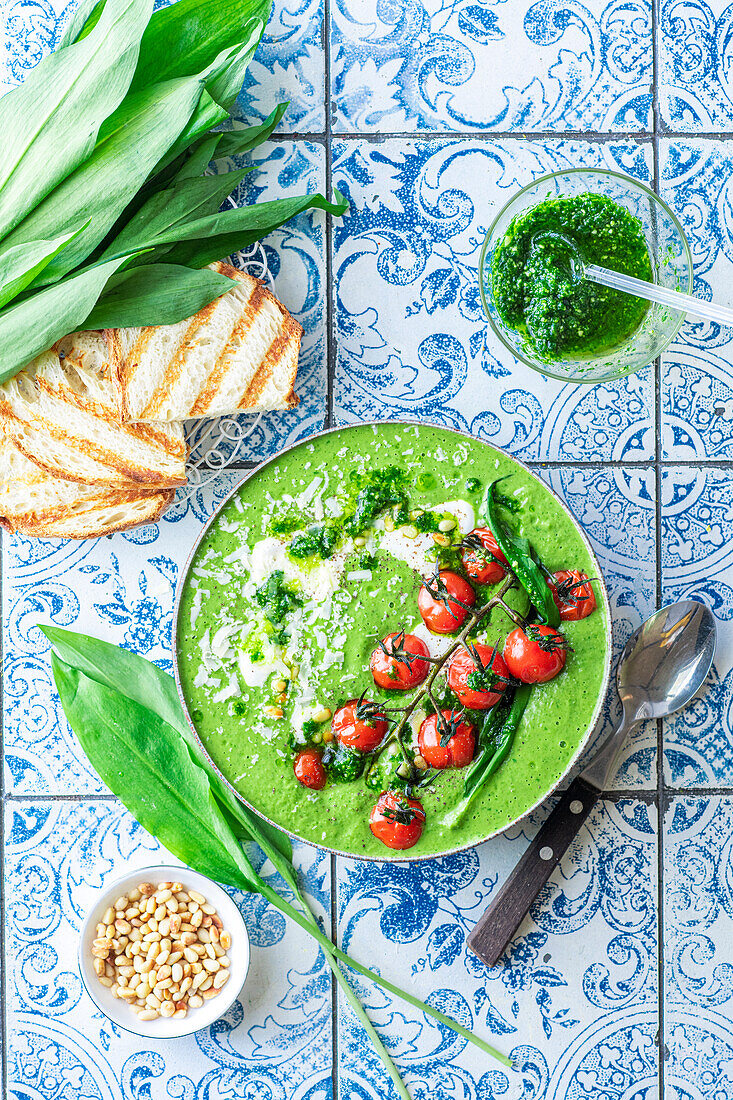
[
  {"x": 697, "y": 382},
  {"x": 696, "y": 95},
  {"x": 497, "y": 66},
  {"x": 275, "y": 1042},
  {"x": 699, "y": 926},
  {"x": 580, "y": 1019},
  {"x": 411, "y": 336},
  {"x": 697, "y": 563}
]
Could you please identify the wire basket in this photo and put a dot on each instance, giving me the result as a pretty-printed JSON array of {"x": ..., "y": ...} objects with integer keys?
[{"x": 216, "y": 444}]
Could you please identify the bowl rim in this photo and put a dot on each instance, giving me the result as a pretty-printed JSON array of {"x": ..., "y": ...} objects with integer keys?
[
  {"x": 603, "y": 691},
  {"x": 198, "y": 1018},
  {"x": 627, "y": 180}
]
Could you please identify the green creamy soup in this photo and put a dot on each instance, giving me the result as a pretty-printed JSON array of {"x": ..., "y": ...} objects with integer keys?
[{"x": 283, "y": 605}]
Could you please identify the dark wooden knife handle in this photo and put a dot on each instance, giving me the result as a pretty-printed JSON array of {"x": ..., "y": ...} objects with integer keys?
[{"x": 508, "y": 909}]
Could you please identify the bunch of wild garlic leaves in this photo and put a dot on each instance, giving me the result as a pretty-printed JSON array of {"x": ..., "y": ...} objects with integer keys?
[{"x": 106, "y": 218}]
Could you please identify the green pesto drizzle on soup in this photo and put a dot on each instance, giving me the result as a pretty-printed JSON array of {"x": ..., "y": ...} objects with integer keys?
[
  {"x": 253, "y": 715},
  {"x": 539, "y": 292}
]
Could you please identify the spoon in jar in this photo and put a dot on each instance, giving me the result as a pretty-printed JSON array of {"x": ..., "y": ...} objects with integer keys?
[
  {"x": 661, "y": 295},
  {"x": 662, "y": 667},
  {"x": 639, "y": 288}
]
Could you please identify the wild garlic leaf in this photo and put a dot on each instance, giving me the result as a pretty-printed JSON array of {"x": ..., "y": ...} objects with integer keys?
[
  {"x": 50, "y": 122},
  {"x": 20, "y": 264},
  {"x": 145, "y": 683},
  {"x": 156, "y": 294},
  {"x": 102, "y": 187},
  {"x": 145, "y": 763},
  {"x": 32, "y": 325}
]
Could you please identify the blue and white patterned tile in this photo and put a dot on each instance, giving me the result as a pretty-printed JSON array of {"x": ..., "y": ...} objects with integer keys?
[
  {"x": 496, "y": 66},
  {"x": 697, "y": 376},
  {"x": 296, "y": 260},
  {"x": 412, "y": 340},
  {"x": 697, "y": 563},
  {"x": 275, "y": 1041},
  {"x": 120, "y": 589},
  {"x": 615, "y": 506},
  {"x": 698, "y": 921},
  {"x": 695, "y": 89},
  {"x": 289, "y": 65},
  {"x": 574, "y": 1000}
]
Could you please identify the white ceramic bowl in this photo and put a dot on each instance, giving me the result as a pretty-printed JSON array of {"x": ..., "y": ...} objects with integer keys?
[{"x": 197, "y": 1018}]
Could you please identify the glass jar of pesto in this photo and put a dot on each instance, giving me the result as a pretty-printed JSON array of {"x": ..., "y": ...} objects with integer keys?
[{"x": 532, "y": 288}]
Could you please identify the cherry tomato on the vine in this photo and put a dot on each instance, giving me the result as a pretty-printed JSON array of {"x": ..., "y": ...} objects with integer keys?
[
  {"x": 536, "y": 654},
  {"x": 309, "y": 769},
  {"x": 447, "y": 742},
  {"x": 482, "y": 558},
  {"x": 396, "y": 664},
  {"x": 573, "y": 593},
  {"x": 397, "y": 820},
  {"x": 467, "y": 679},
  {"x": 444, "y": 601},
  {"x": 359, "y": 724}
]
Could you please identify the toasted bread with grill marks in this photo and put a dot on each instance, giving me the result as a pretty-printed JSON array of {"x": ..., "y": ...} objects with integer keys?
[
  {"x": 62, "y": 412},
  {"x": 33, "y": 502},
  {"x": 238, "y": 354}
]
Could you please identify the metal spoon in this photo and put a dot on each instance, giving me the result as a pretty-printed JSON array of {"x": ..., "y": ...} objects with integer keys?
[{"x": 663, "y": 665}]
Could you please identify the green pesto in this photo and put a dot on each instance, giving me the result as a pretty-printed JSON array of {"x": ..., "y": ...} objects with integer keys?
[{"x": 538, "y": 289}]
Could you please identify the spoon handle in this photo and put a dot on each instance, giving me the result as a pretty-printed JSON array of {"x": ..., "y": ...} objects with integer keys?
[
  {"x": 662, "y": 295},
  {"x": 501, "y": 920}
]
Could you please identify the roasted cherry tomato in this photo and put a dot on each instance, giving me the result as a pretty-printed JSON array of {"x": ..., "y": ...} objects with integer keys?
[
  {"x": 482, "y": 558},
  {"x": 573, "y": 593},
  {"x": 467, "y": 676},
  {"x": 444, "y": 602},
  {"x": 396, "y": 664},
  {"x": 397, "y": 820},
  {"x": 359, "y": 724},
  {"x": 536, "y": 654},
  {"x": 448, "y": 742},
  {"x": 309, "y": 770}
]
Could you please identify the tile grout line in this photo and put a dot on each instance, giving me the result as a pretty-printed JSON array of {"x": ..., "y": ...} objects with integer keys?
[
  {"x": 328, "y": 422},
  {"x": 321, "y": 137},
  {"x": 658, "y": 451}
]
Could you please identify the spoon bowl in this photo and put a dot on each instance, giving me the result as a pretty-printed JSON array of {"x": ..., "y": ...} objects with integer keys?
[{"x": 665, "y": 663}]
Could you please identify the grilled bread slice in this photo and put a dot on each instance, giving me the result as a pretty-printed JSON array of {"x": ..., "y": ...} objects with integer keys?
[
  {"x": 62, "y": 413},
  {"x": 240, "y": 353},
  {"x": 36, "y": 503}
]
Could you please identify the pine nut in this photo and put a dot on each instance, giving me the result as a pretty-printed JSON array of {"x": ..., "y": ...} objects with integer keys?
[
  {"x": 446, "y": 525},
  {"x": 162, "y": 949}
]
